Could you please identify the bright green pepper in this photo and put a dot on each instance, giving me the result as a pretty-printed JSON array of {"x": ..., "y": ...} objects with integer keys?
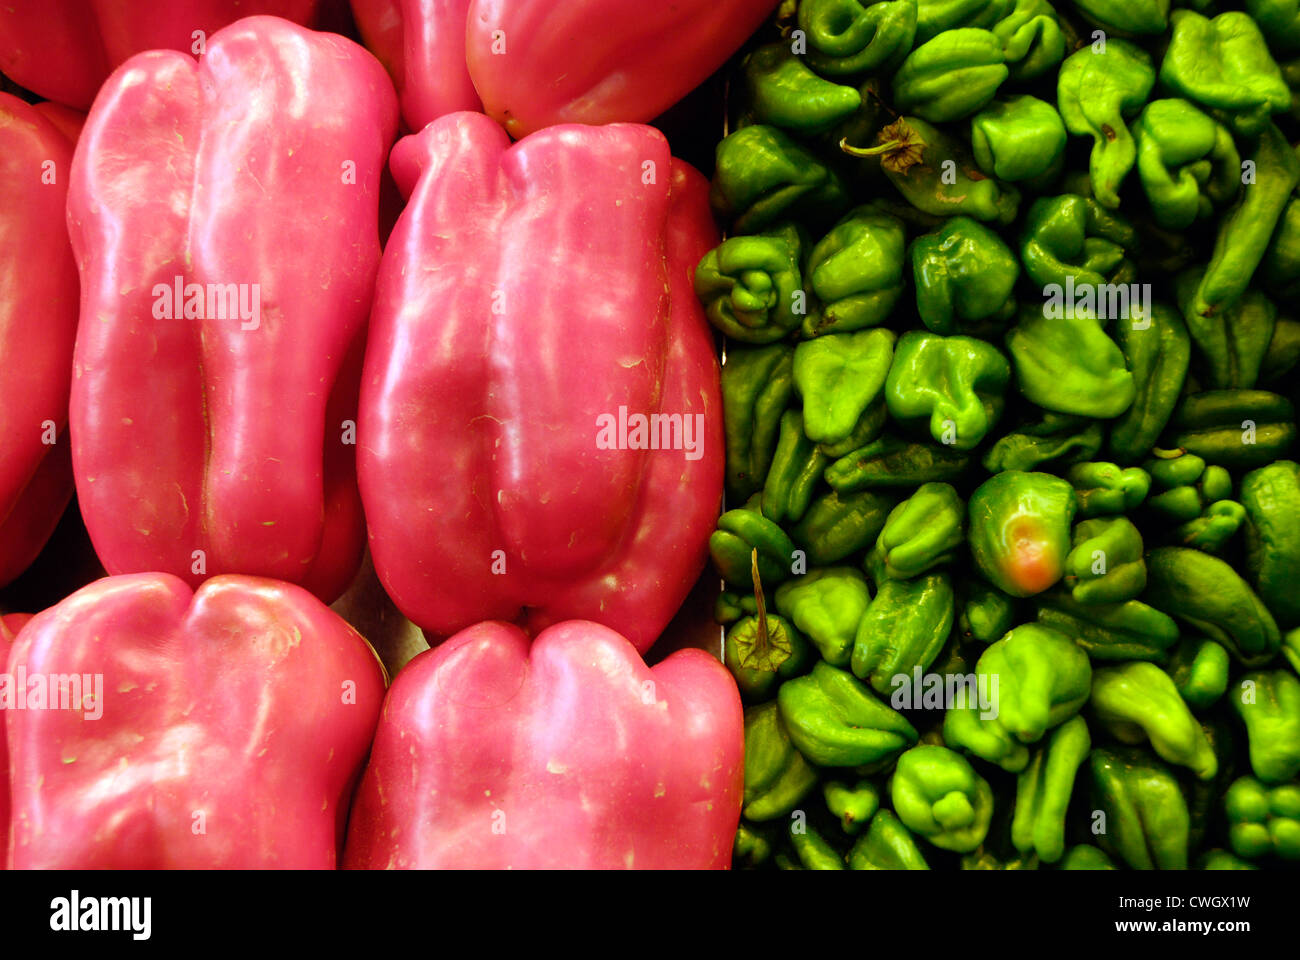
[
  {"x": 739, "y": 533},
  {"x": 1199, "y": 669},
  {"x": 796, "y": 467},
  {"x": 1263, "y": 820},
  {"x": 1235, "y": 428},
  {"x": 814, "y": 851},
  {"x": 1020, "y": 530},
  {"x": 933, "y": 17},
  {"x": 984, "y": 612},
  {"x": 936, "y": 173},
  {"x": 1138, "y": 701},
  {"x": 868, "y": 429},
  {"x": 1157, "y": 349},
  {"x": 1291, "y": 649},
  {"x": 1070, "y": 239},
  {"x": 854, "y": 805},
  {"x": 1223, "y": 860},
  {"x": 1103, "y": 489},
  {"x": 857, "y": 36},
  {"x": 751, "y": 848},
  {"x": 1271, "y": 498},
  {"x": 730, "y": 606},
  {"x": 759, "y": 659},
  {"x": 1283, "y": 354},
  {"x": 1142, "y": 18},
  {"x": 826, "y": 605},
  {"x": 958, "y": 382},
  {"x": 1105, "y": 566},
  {"x": 1146, "y": 822},
  {"x": 757, "y": 385},
  {"x": 887, "y": 845},
  {"x": 951, "y": 76},
  {"x": 1086, "y": 857},
  {"x": 1069, "y": 365},
  {"x": 1043, "y": 791},
  {"x": 1032, "y": 40},
  {"x": 1279, "y": 21},
  {"x": 751, "y": 286},
  {"x": 1232, "y": 341},
  {"x": 922, "y": 532},
  {"x": 1268, "y": 703},
  {"x": 1188, "y": 163},
  {"x": 856, "y": 272},
  {"x": 1224, "y": 64},
  {"x": 1097, "y": 90},
  {"x": 786, "y": 93},
  {"x": 1183, "y": 487},
  {"x": 1018, "y": 138},
  {"x": 761, "y": 174},
  {"x": 965, "y": 278},
  {"x": 1207, "y": 594},
  {"x": 1044, "y": 678},
  {"x": 1057, "y": 437},
  {"x": 1282, "y": 259},
  {"x": 777, "y": 776},
  {"x": 839, "y": 524},
  {"x": 905, "y": 627},
  {"x": 890, "y": 462},
  {"x": 938, "y": 794},
  {"x": 1216, "y": 525},
  {"x": 836, "y": 721},
  {"x": 1122, "y": 631},
  {"x": 839, "y": 376}
]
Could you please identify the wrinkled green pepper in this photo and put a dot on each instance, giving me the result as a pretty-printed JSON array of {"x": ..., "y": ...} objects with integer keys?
[
  {"x": 1105, "y": 566},
  {"x": 1235, "y": 428},
  {"x": 1138, "y": 701},
  {"x": 950, "y": 76},
  {"x": 826, "y": 605},
  {"x": 757, "y": 384},
  {"x": 904, "y": 627},
  {"x": 761, "y": 175},
  {"x": 835, "y": 720},
  {"x": 1068, "y": 364},
  {"x": 1187, "y": 162},
  {"x": 847, "y": 37},
  {"x": 1070, "y": 242},
  {"x": 1032, "y": 40},
  {"x": 891, "y": 462},
  {"x": 838, "y": 376},
  {"x": 1057, "y": 437},
  {"x": 1043, "y": 791},
  {"x": 939, "y": 796},
  {"x": 1020, "y": 530},
  {"x": 922, "y": 532},
  {"x": 1018, "y": 138},
  {"x": 837, "y": 525},
  {"x": 1122, "y": 631},
  {"x": 853, "y": 806},
  {"x": 784, "y": 92},
  {"x": 1263, "y": 820},
  {"x": 796, "y": 467},
  {"x": 1157, "y": 349},
  {"x": 1143, "y": 814},
  {"x": 1200, "y": 669},
  {"x": 984, "y": 613},
  {"x": 739, "y": 533},
  {"x": 1233, "y": 341},
  {"x": 856, "y": 272},
  {"x": 1268, "y": 703},
  {"x": 957, "y": 382},
  {"x": 760, "y": 659},
  {"x": 887, "y": 845},
  {"x": 1271, "y": 498},
  {"x": 1137, "y": 17},
  {"x": 777, "y": 777},
  {"x": 752, "y": 286},
  {"x": 965, "y": 278},
  {"x": 1105, "y": 489}
]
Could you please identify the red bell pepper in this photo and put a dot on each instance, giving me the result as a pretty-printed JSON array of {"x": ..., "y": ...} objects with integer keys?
[
  {"x": 422, "y": 44},
  {"x": 533, "y": 300},
  {"x": 65, "y": 49},
  {"x": 38, "y": 324},
  {"x": 10, "y": 624},
  {"x": 541, "y": 62},
  {"x": 571, "y": 754},
  {"x": 226, "y": 728},
  {"x": 212, "y": 422}
]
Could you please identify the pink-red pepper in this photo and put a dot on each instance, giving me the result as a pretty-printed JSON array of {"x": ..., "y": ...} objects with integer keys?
[
  {"x": 534, "y": 335},
  {"x": 10, "y": 624},
  {"x": 219, "y": 729},
  {"x": 571, "y": 753},
  {"x": 224, "y": 218},
  {"x": 38, "y": 324}
]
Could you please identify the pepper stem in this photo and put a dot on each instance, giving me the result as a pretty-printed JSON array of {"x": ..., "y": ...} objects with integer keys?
[
  {"x": 875, "y": 151},
  {"x": 759, "y": 602}
]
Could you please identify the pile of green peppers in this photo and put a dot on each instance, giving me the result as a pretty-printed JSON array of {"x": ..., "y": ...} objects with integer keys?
[{"x": 1012, "y": 541}]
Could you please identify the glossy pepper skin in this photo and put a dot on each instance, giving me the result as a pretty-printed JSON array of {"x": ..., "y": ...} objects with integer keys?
[
  {"x": 849, "y": 37},
  {"x": 777, "y": 777},
  {"x": 1142, "y": 18},
  {"x": 838, "y": 377},
  {"x": 785, "y": 92},
  {"x": 887, "y": 845},
  {"x": 1071, "y": 236},
  {"x": 759, "y": 659},
  {"x": 853, "y": 805},
  {"x": 1057, "y": 437},
  {"x": 1105, "y": 565},
  {"x": 836, "y": 721},
  {"x": 739, "y": 533},
  {"x": 890, "y": 462},
  {"x": 274, "y": 697},
  {"x": 965, "y": 278},
  {"x": 529, "y": 364},
  {"x": 1105, "y": 489},
  {"x": 826, "y": 605},
  {"x": 762, "y": 175},
  {"x": 950, "y": 76},
  {"x": 234, "y": 440},
  {"x": 837, "y": 525},
  {"x": 1268, "y": 703},
  {"x": 1146, "y": 819},
  {"x": 1020, "y": 530},
  {"x": 1199, "y": 669},
  {"x": 1234, "y": 428},
  {"x": 1137, "y": 702},
  {"x": 984, "y": 612},
  {"x": 752, "y": 286},
  {"x": 1044, "y": 788},
  {"x": 1043, "y": 680},
  {"x": 510, "y": 743},
  {"x": 1263, "y": 820},
  {"x": 1157, "y": 350},
  {"x": 797, "y": 465},
  {"x": 1069, "y": 365},
  {"x": 939, "y": 796},
  {"x": 1187, "y": 162},
  {"x": 1233, "y": 342},
  {"x": 1032, "y": 39},
  {"x": 904, "y": 627},
  {"x": 64, "y": 50},
  {"x": 1120, "y": 631},
  {"x": 1097, "y": 92},
  {"x": 38, "y": 325},
  {"x": 1271, "y": 498},
  {"x": 957, "y": 383},
  {"x": 922, "y": 532},
  {"x": 757, "y": 384},
  {"x": 1018, "y": 138},
  {"x": 856, "y": 272}
]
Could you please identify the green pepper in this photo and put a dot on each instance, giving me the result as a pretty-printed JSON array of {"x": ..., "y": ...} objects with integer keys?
[
  {"x": 835, "y": 720},
  {"x": 814, "y": 851},
  {"x": 1291, "y": 648},
  {"x": 1138, "y": 701},
  {"x": 1283, "y": 353},
  {"x": 1121, "y": 631},
  {"x": 761, "y": 174},
  {"x": 839, "y": 524},
  {"x": 854, "y": 805},
  {"x": 1271, "y": 498},
  {"x": 1199, "y": 669},
  {"x": 922, "y": 532},
  {"x": 891, "y": 462},
  {"x": 1043, "y": 791},
  {"x": 1208, "y": 595},
  {"x": 839, "y": 376},
  {"x": 1223, "y": 860},
  {"x": 1216, "y": 525},
  {"x": 1103, "y": 489},
  {"x": 1032, "y": 40},
  {"x": 757, "y": 386},
  {"x": 887, "y": 845},
  {"x": 1143, "y": 814},
  {"x": 751, "y": 848},
  {"x": 777, "y": 776},
  {"x": 751, "y": 286},
  {"x": 731, "y": 606},
  {"x": 868, "y": 429},
  {"x": 1224, "y": 64},
  {"x": 1279, "y": 21},
  {"x": 1157, "y": 349},
  {"x": 797, "y": 465},
  {"x": 784, "y": 92},
  {"x": 984, "y": 612},
  {"x": 983, "y": 859},
  {"x": 739, "y": 533},
  {"x": 1282, "y": 259},
  {"x": 1263, "y": 820},
  {"x": 1235, "y": 428},
  {"x": 826, "y": 605},
  {"x": 758, "y": 659},
  {"x": 936, "y": 173},
  {"x": 950, "y": 76},
  {"x": 856, "y": 272},
  {"x": 1043, "y": 680},
  {"x": 1245, "y": 230},
  {"x": 957, "y": 382},
  {"x": 1232, "y": 341},
  {"x": 933, "y": 17},
  {"x": 1097, "y": 90},
  {"x": 1105, "y": 566},
  {"x": 1067, "y": 364},
  {"x": 1057, "y": 437},
  {"x": 1020, "y": 530},
  {"x": 1072, "y": 243},
  {"x": 1141, "y": 18},
  {"x": 1084, "y": 856},
  {"x": 965, "y": 277},
  {"x": 1018, "y": 138},
  {"x": 938, "y": 794},
  {"x": 1268, "y": 703},
  {"x": 904, "y": 628},
  {"x": 1188, "y": 163},
  {"x": 1183, "y": 486},
  {"x": 857, "y": 36}
]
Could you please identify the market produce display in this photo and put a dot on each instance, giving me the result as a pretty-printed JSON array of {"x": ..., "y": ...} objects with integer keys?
[{"x": 1013, "y": 524}]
